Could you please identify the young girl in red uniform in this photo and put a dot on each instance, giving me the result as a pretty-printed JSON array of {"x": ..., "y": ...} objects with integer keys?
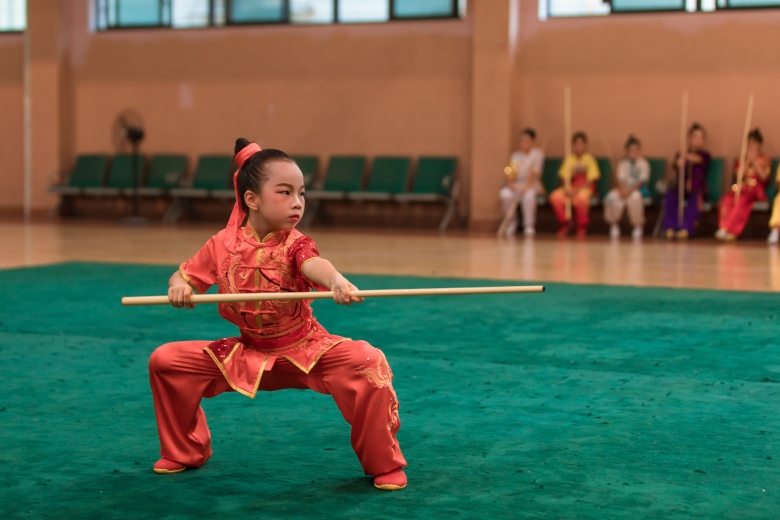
[
  {"x": 733, "y": 213},
  {"x": 281, "y": 344}
]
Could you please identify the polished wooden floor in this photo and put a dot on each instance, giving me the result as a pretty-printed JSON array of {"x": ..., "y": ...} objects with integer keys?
[{"x": 697, "y": 264}]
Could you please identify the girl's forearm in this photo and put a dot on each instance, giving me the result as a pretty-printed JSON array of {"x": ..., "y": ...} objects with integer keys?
[
  {"x": 176, "y": 279},
  {"x": 320, "y": 271}
]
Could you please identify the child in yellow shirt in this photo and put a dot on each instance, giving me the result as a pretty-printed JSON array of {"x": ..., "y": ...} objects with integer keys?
[{"x": 583, "y": 171}]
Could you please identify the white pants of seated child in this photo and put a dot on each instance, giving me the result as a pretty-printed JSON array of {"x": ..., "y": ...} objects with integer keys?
[
  {"x": 527, "y": 203},
  {"x": 615, "y": 205}
]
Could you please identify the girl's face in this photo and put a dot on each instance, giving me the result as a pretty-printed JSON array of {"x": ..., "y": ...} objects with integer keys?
[
  {"x": 633, "y": 152},
  {"x": 526, "y": 142},
  {"x": 697, "y": 140},
  {"x": 579, "y": 147},
  {"x": 753, "y": 148},
  {"x": 279, "y": 205}
]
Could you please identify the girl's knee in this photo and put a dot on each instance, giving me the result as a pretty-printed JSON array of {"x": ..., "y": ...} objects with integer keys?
[
  {"x": 161, "y": 358},
  {"x": 582, "y": 197},
  {"x": 362, "y": 354}
]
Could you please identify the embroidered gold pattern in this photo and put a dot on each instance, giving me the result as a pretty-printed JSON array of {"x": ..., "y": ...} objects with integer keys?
[
  {"x": 395, "y": 421},
  {"x": 381, "y": 376}
]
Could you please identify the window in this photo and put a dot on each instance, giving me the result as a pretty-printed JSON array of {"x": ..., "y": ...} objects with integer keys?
[
  {"x": 311, "y": 11},
  {"x": 195, "y": 13},
  {"x": 553, "y": 8},
  {"x": 556, "y": 8},
  {"x": 625, "y": 6},
  {"x": 735, "y": 4},
  {"x": 425, "y": 8},
  {"x": 364, "y": 11},
  {"x": 256, "y": 11},
  {"x": 13, "y": 15},
  {"x": 115, "y": 14},
  {"x": 139, "y": 13}
]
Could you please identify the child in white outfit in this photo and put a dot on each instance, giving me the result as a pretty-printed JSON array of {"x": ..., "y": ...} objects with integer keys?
[
  {"x": 633, "y": 174},
  {"x": 527, "y": 163}
]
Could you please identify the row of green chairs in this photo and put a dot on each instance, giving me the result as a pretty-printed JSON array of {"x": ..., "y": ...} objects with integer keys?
[
  {"x": 389, "y": 179},
  {"x": 99, "y": 175}
]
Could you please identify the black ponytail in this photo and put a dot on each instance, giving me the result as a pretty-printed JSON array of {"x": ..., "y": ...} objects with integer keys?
[
  {"x": 696, "y": 127},
  {"x": 632, "y": 140},
  {"x": 252, "y": 174},
  {"x": 756, "y": 135}
]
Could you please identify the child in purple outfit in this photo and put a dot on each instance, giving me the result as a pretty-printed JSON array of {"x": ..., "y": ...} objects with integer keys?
[{"x": 695, "y": 162}]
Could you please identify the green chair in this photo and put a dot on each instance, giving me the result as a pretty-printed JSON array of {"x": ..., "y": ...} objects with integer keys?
[
  {"x": 715, "y": 178},
  {"x": 657, "y": 172},
  {"x": 120, "y": 176},
  {"x": 344, "y": 174},
  {"x": 435, "y": 182},
  {"x": 550, "y": 178},
  {"x": 165, "y": 173},
  {"x": 604, "y": 184},
  {"x": 213, "y": 174},
  {"x": 88, "y": 172},
  {"x": 771, "y": 190},
  {"x": 309, "y": 166},
  {"x": 213, "y": 178},
  {"x": 389, "y": 176}
]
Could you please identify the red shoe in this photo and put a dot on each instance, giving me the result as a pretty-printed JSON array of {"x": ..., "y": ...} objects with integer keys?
[
  {"x": 563, "y": 231},
  {"x": 391, "y": 481},
  {"x": 582, "y": 232},
  {"x": 165, "y": 466}
]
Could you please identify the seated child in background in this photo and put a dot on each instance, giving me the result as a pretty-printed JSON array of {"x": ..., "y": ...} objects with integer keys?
[
  {"x": 583, "y": 171},
  {"x": 732, "y": 217},
  {"x": 695, "y": 162},
  {"x": 527, "y": 163},
  {"x": 633, "y": 174}
]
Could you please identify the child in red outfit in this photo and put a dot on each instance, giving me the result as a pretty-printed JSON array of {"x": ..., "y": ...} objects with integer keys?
[
  {"x": 281, "y": 344},
  {"x": 582, "y": 171}
]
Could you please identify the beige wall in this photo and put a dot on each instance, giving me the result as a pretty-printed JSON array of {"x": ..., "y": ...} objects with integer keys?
[
  {"x": 369, "y": 89},
  {"x": 404, "y": 88},
  {"x": 11, "y": 122}
]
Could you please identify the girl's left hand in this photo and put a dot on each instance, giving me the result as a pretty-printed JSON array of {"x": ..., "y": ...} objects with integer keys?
[{"x": 342, "y": 290}]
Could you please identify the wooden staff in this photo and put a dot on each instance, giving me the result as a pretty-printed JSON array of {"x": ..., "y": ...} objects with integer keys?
[
  {"x": 567, "y": 147},
  {"x": 129, "y": 301},
  {"x": 743, "y": 152},
  {"x": 683, "y": 155}
]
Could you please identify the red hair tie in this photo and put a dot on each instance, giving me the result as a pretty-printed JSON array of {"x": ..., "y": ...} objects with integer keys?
[
  {"x": 245, "y": 153},
  {"x": 238, "y": 215}
]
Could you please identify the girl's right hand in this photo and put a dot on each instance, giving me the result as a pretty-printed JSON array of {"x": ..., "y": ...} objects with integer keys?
[{"x": 179, "y": 296}]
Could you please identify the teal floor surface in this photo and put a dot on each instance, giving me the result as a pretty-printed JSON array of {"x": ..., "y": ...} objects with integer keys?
[{"x": 582, "y": 402}]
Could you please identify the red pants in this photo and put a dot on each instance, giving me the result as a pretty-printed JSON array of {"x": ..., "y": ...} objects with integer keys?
[
  {"x": 580, "y": 205},
  {"x": 733, "y": 218},
  {"x": 353, "y": 372}
]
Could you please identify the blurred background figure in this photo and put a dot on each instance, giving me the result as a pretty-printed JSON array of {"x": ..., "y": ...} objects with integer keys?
[
  {"x": 523, "y": 182},
  {"x": 733, "y": 213},
  {"x": 633, "y": 174},
  {"x": 695, "y": 161},
  {"x": 582, "y": 170}
]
